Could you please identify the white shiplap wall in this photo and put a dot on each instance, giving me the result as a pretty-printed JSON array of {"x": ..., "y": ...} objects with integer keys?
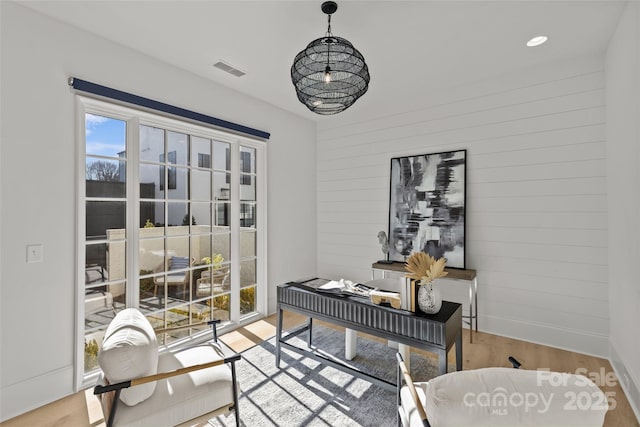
[{"x": 536, "y": 197}]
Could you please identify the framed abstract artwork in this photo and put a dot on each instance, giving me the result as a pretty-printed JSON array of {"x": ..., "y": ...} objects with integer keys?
[{"x": 427, "y": 206}]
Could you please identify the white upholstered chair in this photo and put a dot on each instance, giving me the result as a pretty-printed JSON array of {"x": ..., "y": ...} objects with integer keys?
[
  {"x": 499, "y": 397},
  {"x": 140, "y": 386}
]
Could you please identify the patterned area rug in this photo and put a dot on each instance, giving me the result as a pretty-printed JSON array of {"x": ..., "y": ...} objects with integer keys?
[{"x": 306, "y": 393}]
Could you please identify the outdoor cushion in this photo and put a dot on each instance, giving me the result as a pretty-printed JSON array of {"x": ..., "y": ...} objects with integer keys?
[
  {"x": 179, "y": 263},
  {"x": 93, "y": 275},
  {"x": 129, "y": 351}
]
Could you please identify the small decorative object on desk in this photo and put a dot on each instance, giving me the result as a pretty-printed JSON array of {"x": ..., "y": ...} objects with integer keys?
[
  {"x": 384, "y": 243},
  {"x": 425, "y": 269}
]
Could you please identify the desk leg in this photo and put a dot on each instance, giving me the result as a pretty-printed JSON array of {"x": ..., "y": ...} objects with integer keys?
[
  {"x": 442, "y": 361},
  {"x": 278, "y": 336},
  {"x": 459, "y": 351},
  {"x": 475, "y": 295},
  {"x": 310, "y": 327},
  {"x": 471, "y": 312},
  {"x": 350, "y": 343}
]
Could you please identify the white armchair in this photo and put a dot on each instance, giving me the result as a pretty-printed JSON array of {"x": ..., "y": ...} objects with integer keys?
[
  {"x": 499, "y": 397},
  {"x": 141, "y": 387}
]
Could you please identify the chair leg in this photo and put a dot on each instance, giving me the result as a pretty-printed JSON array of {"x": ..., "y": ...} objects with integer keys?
[
  {"x": 234, "y": 384},
  {"x": 114, "y": 406}
]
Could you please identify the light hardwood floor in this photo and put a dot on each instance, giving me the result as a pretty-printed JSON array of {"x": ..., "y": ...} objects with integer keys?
[{"x": 83, "y": 409}]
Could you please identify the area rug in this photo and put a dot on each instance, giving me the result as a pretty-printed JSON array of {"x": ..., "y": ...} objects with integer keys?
[{"x": 304, "y": 392}]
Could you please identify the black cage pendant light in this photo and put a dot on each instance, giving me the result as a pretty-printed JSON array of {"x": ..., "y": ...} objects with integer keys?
[{"x": 329, "y": 74}]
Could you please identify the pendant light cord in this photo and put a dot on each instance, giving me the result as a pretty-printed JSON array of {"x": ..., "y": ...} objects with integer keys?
[{"x": 328, "y": 35}]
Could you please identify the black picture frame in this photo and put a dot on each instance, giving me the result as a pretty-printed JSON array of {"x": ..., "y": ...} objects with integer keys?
[{"x": 427, "y": 202}]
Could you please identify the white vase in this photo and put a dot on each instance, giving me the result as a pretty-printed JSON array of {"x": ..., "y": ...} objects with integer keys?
[{"x": 429, "y": 298}]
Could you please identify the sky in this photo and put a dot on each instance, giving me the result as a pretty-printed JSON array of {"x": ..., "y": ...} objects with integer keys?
[{"x": 104, "y": 136}]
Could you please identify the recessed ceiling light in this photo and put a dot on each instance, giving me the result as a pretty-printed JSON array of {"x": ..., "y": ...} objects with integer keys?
[{"x": 537, "y": 41}]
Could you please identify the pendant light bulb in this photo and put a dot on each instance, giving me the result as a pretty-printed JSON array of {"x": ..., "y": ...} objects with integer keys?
[{"x": 327, "y": 75}]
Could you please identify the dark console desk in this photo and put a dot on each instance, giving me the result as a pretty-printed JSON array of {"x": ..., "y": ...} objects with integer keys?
[{"x": 436, "y": 333}]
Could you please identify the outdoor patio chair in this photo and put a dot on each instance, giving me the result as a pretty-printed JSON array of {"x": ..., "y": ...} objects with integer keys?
[
  {"x": 177, "y": 278},
  {"x": 140, "y": 386},
  {"x": 213, "y": 282}
]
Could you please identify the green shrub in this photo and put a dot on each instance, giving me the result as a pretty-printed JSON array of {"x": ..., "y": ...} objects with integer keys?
[
  {"x": 90, "y": 355},
  {"x": 146, "y": 284}
]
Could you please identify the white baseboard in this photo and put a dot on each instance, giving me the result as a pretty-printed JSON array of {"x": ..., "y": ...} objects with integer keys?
[
  {"x": 631, "y": 389},
  {"x": 25, "y": 396},
  {"x": 565, "y": 339}
]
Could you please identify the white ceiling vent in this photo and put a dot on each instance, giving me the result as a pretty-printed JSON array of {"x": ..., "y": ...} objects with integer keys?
[{"x": 225, "y": 66}]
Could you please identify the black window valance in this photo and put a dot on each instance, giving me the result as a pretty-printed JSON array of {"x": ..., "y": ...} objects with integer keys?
[{"x": 96, "y": 89}]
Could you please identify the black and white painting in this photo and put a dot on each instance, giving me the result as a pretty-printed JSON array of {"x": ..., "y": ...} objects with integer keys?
[{"x": 427, "y": 206}]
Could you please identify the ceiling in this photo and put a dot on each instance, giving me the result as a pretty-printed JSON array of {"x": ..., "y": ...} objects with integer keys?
[{"x": 412, "y": 48}]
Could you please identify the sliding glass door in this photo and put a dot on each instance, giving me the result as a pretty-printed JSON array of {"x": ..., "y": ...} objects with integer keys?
[{"x": 171, "y": 224}]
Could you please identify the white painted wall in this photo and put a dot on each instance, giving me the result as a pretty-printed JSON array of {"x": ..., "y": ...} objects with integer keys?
[
  {"x": 38, "y": 186},
  {"x": 623, "y": 158},
  {"x": 536, "y": 197}
]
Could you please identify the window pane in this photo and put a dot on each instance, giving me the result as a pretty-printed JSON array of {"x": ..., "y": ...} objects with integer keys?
[
  {"x": 201, "y": 312},
  {"x": 178, "y": 247},
  {"x": 247, "y": 160},
  {"x": 204, "y": 161},
  {"x": 221, "y": 156},
  {"x": 117, "y": 262},
  {"x": 177, "y": 143},
  {"x": 247, "y": 300},
  {"x": 152, "y": 216},
  {"x": 96, "y": 255},
  {"x": 201, "y": 281},
  {"x": 247, "y": 273},
  {"x": 221, "y": 245},
  {"x": 221, "y": 305},
  {"x": 247, "y": 188},
  {"x": 105, "y": 178},
  {"x": 105, "y": 136},
  {"x": 247, "y": 244},
  {"x": 171, "y": 173},
  {"x": 103, "y": 216},
  {"x": 221, "y": 185},
  {"x": 200, "y": 152},
  {"x": 201, "y": 213},
  {"x": 151, "y": 259},
  {"x": 178, "y": 216},
  {"x": 201, "y": 248},
  {"x": 222, "y": 215},
  {"x": 200, "y": 185},
  {"x": 178, "y": 182},
  {"x": 151, "y": 143},
  {"x": 92, "y": 342},
  {"x": 248, "y": 215},
  {"x": 95, "y": 276},
  {"x": 146, "y": 286},
  {"x": 150, "y": 181}
]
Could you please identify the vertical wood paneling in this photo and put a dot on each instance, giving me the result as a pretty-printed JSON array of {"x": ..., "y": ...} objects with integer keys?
[{"x": 536, "y": 197}]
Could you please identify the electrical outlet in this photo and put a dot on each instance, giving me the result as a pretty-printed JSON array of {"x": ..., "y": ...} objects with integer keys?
[{"x": 34, "y": 253}]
